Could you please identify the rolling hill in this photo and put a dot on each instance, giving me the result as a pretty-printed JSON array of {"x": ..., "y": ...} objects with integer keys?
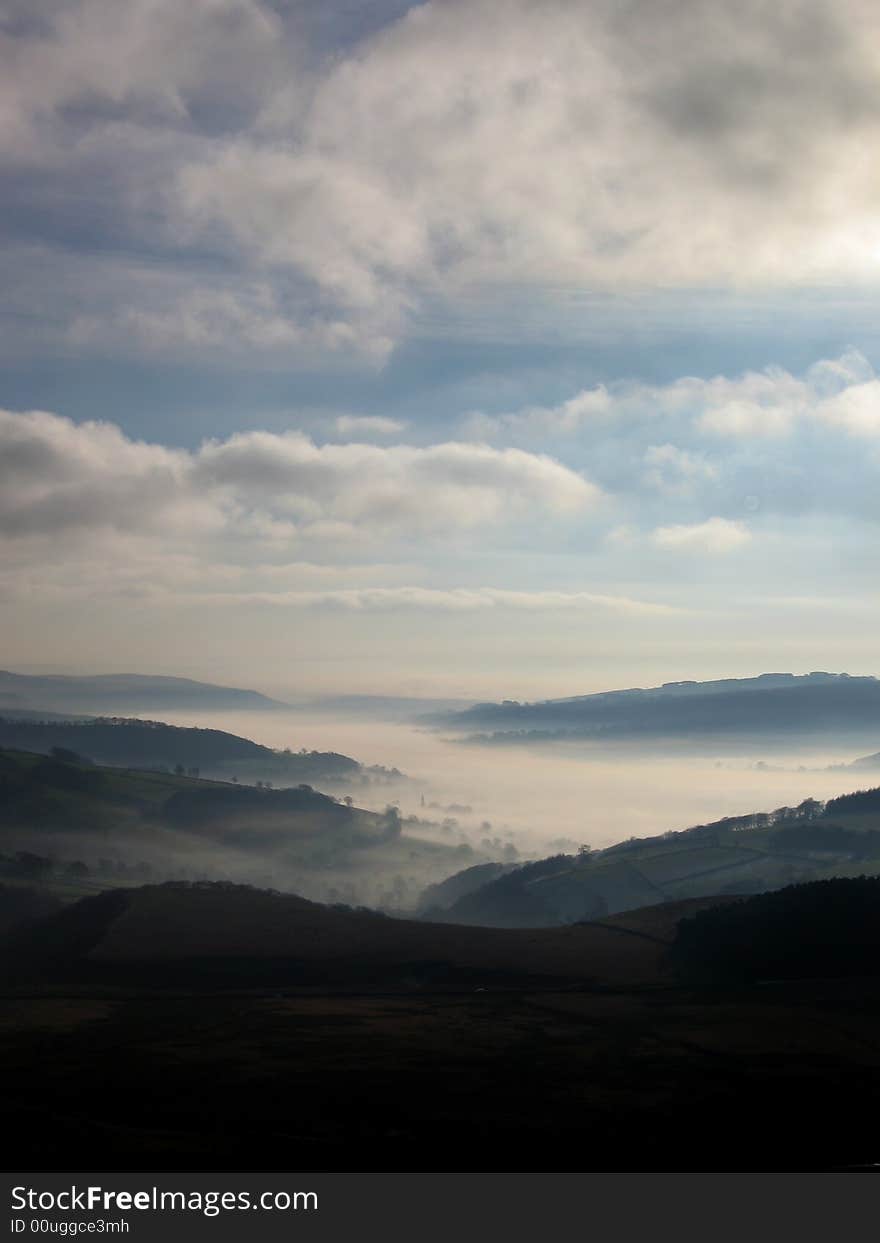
[
  {"x": 866, "y": 763},
  {"x": 75, "y": 826},
  {"x": 768, "y": 710},
  {"x": 194, "y": 930},
  {"x": 213, "y": 753},
  {"x": 124, "y": 693},
  {"x": 737, "y": 855},
  {"x": 826, "y": 929},
  {"x": 251, "y": 1031}
]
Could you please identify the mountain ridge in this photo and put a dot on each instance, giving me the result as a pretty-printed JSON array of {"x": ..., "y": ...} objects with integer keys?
[
  {"x": 115, "y": 690},
  {"x": 768, "y": 708}
]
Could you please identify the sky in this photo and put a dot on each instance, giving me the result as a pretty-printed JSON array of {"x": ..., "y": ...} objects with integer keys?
[{"x": 470, "y": 348}]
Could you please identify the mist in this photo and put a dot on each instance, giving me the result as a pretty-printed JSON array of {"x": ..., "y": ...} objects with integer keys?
[{"x": 542, "y": 799}]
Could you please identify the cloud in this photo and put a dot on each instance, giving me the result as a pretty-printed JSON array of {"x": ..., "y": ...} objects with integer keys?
[
  {"x": 59, "y": 477},
  {"x": 856, "y": 409},
  {"x": 771, "y": 403},
  {"x": 453, "y": 600},
  {"x": 367, "y": 425},
  {"x": 727, "y": 446},
  {"x": 465, "y": 144},
  {"x": 715, "y": 535},
  {"x": 764, "y": 404},
  {"x": 640, "y": 477},
  {"x": 676, "y": 472},
  {"x": 411, "y": 490},
  {"x": 567, "y": 419},
  {"x": 152, "y": 64},
  {"x": 557, "y": 145}
]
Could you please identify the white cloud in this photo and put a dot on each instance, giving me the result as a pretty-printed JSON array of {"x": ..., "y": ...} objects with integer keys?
[
  {"x": 841, "y": 393},
  {"x": 770, "y": 403},
  {"x": 396, "y": 488},
  {"x": 856, "y": 410},
  {"x": 715, "y": 535},
  {"x": 87, "y": 513},
  {"x": 765, "y": 405},
  {"x": 59, "y": 477},
  {"x": 743, "y": 417},
  {"x": 566, "y": 419}
]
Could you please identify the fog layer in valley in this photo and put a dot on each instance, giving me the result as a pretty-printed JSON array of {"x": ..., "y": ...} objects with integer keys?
[{"x": 538, "y": 796}]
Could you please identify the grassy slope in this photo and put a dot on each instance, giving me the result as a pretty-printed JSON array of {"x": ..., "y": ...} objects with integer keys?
[
  {"x": 129, "y": 812},
  {"x": 710, "y": 859},
  {"x": 212, "y": 752}
]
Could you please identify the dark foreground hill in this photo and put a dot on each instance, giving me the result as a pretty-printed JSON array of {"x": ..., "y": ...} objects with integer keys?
[
  {"x": 769, "y": 710},
  {"x": 159, "y": 1028},
  {"x": 825, "y": 929},
  {"x": 241, "y": 934}
]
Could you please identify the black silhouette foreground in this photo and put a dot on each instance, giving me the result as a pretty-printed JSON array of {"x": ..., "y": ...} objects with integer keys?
[{"x": 217, "y": 1026}]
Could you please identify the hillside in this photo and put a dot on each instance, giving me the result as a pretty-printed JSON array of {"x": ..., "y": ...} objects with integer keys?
[
  {"x": 342, "y": 1040},
  {"x": 737, "y": 855},
  {"x": 766, "y": 710},
  {"x": 445, "y": 893},
  {"x": 72, "y": 826},
  {"x": 866, "y": 763},
  {"x": 240, "y": 931},
  {"x": 126, "y": 693},
  {"x": 127, "y": 743},
  {"x": 826, "y": 929}
]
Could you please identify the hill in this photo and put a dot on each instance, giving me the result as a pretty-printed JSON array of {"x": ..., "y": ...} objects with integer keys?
[
  {"x": 343, "y": 1040},
  {"x": 241, "y": 933},
  {"x": 736, "y": 855},
  {"x": 826, "y": 929},
  {"x": 126, "y": 693},
  {"x": 72, "y": 826},
  {"x": 127, "y": 743},
  {"x": 765, "y": 710},
  {"x": 445, "y": 893},
  {"x": 866, "y": 763}
]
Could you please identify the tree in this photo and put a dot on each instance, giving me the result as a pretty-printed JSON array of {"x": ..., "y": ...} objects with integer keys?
[{"x": 392, "y": 826}]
